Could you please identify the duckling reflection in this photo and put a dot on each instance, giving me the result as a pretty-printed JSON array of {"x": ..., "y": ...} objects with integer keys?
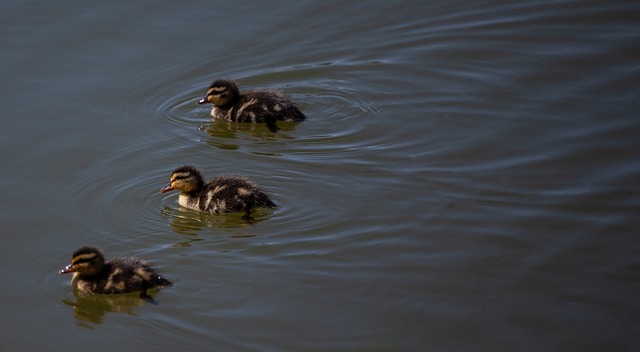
[
  {"x": 88, "y": 308},
  {"x": 224, "y": 194},
  {"x": 254, "y": 106},
  {"x": 93, "y": 275},
  {"x": 225, "y": 134},
  {"x": 191, "y": 223}
]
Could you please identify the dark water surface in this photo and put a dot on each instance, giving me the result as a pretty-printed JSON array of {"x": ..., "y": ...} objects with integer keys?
[{"x": 468, "y": 177}]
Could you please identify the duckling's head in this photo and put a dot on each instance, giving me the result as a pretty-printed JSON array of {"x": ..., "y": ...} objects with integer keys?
[
  {"x": 186, "y": 178},
  {"x": 221, "y": 93},
  {"x": 86, "y": 261}
]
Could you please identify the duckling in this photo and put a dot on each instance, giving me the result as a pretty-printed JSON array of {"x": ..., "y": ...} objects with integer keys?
[
  {"x": 250, "y": 106},
  {"x": 92, "y": 274},
  {"x": 223, "y": 194}
]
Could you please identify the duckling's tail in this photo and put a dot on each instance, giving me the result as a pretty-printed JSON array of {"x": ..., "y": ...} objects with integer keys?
[{"x": 262, "y": 200}]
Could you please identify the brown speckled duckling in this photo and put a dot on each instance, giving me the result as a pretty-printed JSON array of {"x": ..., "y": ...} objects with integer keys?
[
  {"x": 92, "y": 274},
  {"x": 250, "y": 106},
  {"x": 224, "y": 194}
]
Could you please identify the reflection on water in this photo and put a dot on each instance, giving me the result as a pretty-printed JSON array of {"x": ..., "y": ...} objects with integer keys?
[
  {"x": 225, "y": 134},
  {"x": 90, "y": 310},
  {"x": 191, "y": 222}
]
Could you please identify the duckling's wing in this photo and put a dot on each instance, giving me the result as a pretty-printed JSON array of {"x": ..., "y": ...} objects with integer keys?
[{"x": 138, "y": 275}]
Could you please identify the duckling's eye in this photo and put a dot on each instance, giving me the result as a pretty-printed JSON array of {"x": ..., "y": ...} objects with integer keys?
[
  {"x": 181, "y": 176},
  {"x": 82, "y": 261},
  {"x": 83, "y": 258},
  {"x": 218, "y": 91}
]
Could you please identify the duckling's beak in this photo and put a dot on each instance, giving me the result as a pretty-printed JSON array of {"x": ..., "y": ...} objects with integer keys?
[
  {"x": 67, "y": 269},
  {"x": 202, "y": 101},
  {"x": 167, "y": 189}
]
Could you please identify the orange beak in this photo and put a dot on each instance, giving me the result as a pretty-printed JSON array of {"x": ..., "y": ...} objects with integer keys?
[
  {"x": 67, "y": 269},
  {"x": 167, "y": 189}
]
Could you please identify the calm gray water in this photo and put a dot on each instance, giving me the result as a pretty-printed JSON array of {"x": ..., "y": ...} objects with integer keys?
[{"x": 468, "y": 178}]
